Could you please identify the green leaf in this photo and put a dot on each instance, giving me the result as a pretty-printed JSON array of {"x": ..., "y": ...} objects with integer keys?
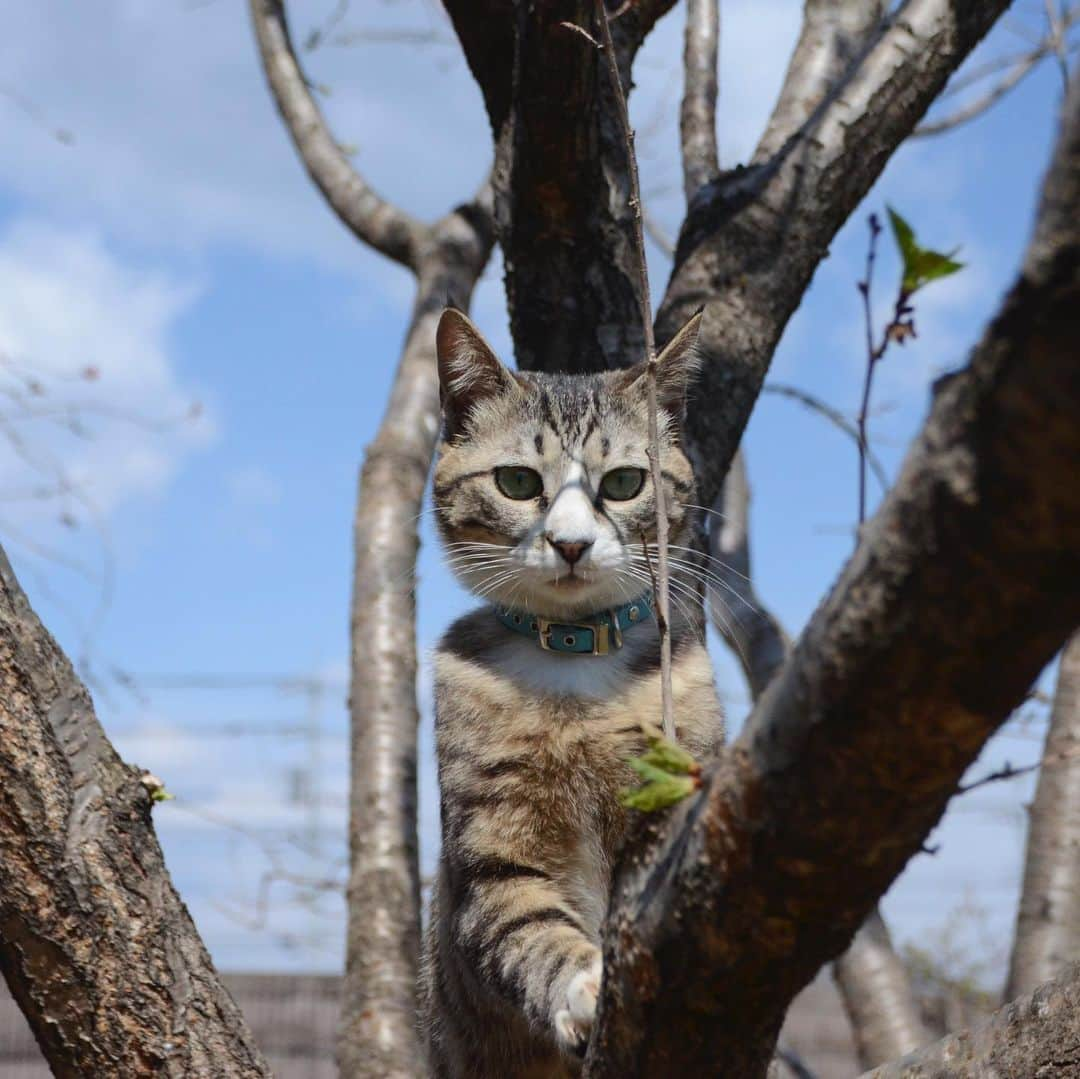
[
  {"x": 659, "y": 794},
  {"x": 670, "y": 758},
  {"x": 648, "y": 770},
  {"x": 921, "y": 265}
]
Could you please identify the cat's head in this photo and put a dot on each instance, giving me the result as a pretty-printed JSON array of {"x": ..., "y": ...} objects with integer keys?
[{"x": 543, "y": 493}]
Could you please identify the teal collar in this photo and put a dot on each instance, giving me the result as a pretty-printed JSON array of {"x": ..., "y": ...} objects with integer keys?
[{"x": 596, "y": 635}]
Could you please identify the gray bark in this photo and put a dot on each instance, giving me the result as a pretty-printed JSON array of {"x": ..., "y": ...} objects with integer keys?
[
  {"x": 95, "y": 944},
  {"x": 877, "y": 996},
  {"x": 948, "y": 610},
  {"x": 378, "y": 1035},
  {"x": 697, "y": 114},
  {"x": 1048, "y": 922},
  {"x": 1035, "y": 1037}
]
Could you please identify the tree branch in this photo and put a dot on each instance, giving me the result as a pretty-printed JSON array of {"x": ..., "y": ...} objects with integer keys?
[
  {"x": 378, "y": 1028},
  {"x": 697, "y": 117},
  {"x": 877, "y": 995},
  {"x": 371, "y": 218},
  {"x": 1048, "y": 921},
  {"x": 833, "y": 37},
  {"x": 1035, "y": 1036},
  {"x": 95, "y": 944},
  {"x": 932, "y": 635},
  {"x": 754, "y": 238},
  {"x": 872, "y": 980},
  {"x": 750, "y": 630}
]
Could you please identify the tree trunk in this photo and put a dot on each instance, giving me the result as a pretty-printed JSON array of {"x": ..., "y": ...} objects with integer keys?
[
  {"x": 95, "y": 944},
  {"x": 1048, "y": 922}
]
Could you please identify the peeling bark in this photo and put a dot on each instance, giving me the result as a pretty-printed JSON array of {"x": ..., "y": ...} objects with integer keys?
[
  {"x": 950, "y": 607},
  {"x": 1048, "y": 922},
  {"x": 1035, "y": 1037},
  {"x": 95, "y": 944}
]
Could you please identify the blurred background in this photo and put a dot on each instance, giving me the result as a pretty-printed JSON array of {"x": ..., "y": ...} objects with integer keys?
[{"x": 193, "y": 354}]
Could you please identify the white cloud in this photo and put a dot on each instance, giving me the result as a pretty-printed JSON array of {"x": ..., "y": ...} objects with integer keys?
[
  {"x": 68, "y": 306},
  {"x": 177, "y": 142}
]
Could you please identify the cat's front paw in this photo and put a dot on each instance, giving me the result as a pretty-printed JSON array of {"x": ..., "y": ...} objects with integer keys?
[{"x": 574, "y": 1020}]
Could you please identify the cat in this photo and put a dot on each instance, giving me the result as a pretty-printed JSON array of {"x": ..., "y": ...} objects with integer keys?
[{"x": 544, "y": 502}]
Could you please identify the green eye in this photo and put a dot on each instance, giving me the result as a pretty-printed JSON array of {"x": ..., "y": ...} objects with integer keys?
[
  {"x": 518, "y": 483},
  {"x": 621, "y": 484}
]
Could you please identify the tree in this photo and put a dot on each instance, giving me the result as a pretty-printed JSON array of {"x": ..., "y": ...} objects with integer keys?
[{"x": 963, "y": 586}]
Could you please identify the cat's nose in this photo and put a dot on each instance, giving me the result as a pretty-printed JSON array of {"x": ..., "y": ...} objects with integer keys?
[{"x": 570, "y": 550}]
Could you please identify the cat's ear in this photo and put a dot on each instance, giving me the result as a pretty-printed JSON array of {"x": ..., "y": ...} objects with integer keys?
[
  {"x": 469, "y": 372},
  {"x": 676, "y": 368}
]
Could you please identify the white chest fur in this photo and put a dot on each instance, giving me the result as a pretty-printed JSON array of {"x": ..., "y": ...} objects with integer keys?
[{"x": 556, "y": 674}]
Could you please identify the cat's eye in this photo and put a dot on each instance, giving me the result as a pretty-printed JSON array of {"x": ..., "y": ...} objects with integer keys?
[
  {"x": 518, "y": 483},
  {"x": 621, "y": 484}
]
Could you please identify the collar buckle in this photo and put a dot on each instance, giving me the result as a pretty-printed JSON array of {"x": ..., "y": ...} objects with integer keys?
[{"x": 599, "y": 631}]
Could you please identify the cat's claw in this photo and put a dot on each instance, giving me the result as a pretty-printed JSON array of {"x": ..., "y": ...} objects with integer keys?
[{"x": 573, "y": 1022}]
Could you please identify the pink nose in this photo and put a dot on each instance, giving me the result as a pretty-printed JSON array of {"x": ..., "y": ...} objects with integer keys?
[{"x": 570, "y": 551}]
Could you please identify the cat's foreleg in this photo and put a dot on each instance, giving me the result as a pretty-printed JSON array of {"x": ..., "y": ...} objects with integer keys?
[{"x": 522, "y": 937}]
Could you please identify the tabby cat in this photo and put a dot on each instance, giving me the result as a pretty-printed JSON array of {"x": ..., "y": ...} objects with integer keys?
[{"x": 547, "y": 510}]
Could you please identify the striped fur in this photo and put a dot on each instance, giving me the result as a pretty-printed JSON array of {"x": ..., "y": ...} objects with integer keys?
[{"x": 532, "y": 746}]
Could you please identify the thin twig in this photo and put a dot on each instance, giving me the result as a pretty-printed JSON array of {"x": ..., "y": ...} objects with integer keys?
[
  {"x": 835, "y": 417},
  {"x": 900, "y": 327},
  {"x": 872, "y": 357},
  {"x": 1006, "y": 772},
  {"x": 662, "y": 574}
]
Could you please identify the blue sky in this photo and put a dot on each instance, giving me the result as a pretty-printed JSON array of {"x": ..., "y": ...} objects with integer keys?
[{"x": 176, "y": 248}]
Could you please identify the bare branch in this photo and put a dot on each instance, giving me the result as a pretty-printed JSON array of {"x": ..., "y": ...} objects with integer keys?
[
  {"x": 96, "y": 947},
  {"x": 1048, "y": 921},
  {"x": 835, "y": 417},
  {"x": 378, "y": 1027},
  {"x": 928, "y": 641},
  {"x": 1036, "y": 1035},
  {"x": 877, "y": 995},
  {"x": 656, "y": 232},
  {"x": 755, "y": 636},
  {"x": 697, "y": 118},
  {"x": 749, "y": 249},
  {"x": 371, "y": 218},
  {"x": 984, "y": 101}
]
